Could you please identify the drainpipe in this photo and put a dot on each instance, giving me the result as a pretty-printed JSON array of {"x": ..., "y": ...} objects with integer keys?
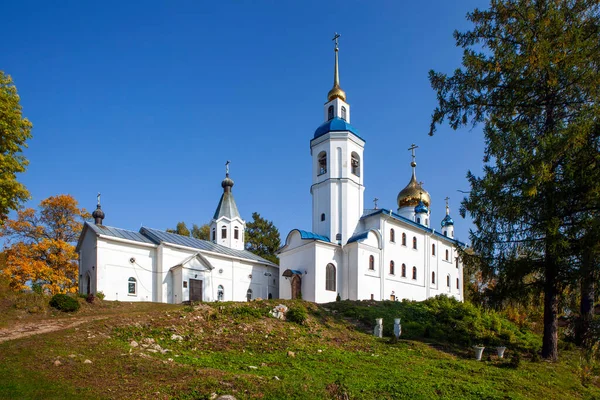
[
  {"x": 381, "y": 272},
  {"x": 428, "y": 266}
]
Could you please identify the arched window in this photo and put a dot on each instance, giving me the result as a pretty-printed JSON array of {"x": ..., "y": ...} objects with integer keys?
[
  {"x": 355, "y": 163},
  {"x": 132, "y": 286},
  {"x": 404, "y": 270},
  {"x": 214, "y": 234},
  {"x": 433, "y": 249},
  {"x": 270, "y": 296},
  {"x": 415, "y": 273},
  {"x": 418, "y": 220},
  {"x": 448, "y": 281},
  {"x": 330, "y": 112},
  {"x": 330, "y": 277},
  {"x": 433, "y": 277},
  {"x": 456, "y": 262},
  {"x": 414, "y": 242},
  {"x": 236, "y": 233},
  {"x": 220, "y": 293},
  {"x": 392, "y": 235},
  {"x": 457, "y": 283},
  {"x": 223, "y": 232},
  {"x": 445, "y": 233},
  {"x": 249, "y": 295},
  {"x": 447, "y": 254},
  {"x": 343, "y": 113},
  {"x": 403, "y": 239},
  {"x": 322, "y": 163},
  {"x": 392, "y": 269},
  {"x": 323, "y": 217},
  {"x": 371, "y": 263}
]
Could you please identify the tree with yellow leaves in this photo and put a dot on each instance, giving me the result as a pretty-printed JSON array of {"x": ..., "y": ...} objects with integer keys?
[{"x": 41, "y": 250}]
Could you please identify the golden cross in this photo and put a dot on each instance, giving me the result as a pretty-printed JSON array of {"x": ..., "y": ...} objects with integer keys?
[{"x": 412, "y": 150}]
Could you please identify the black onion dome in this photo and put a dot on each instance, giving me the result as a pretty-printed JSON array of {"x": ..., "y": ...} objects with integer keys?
[
  {"x": 98, "y": 214},
  {"x": 227, "y": 182}
]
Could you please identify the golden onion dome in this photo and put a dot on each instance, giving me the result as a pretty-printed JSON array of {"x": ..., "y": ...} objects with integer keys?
[
  {"x": 336, "y": 92},
  {"x": 412, "y": 194}
]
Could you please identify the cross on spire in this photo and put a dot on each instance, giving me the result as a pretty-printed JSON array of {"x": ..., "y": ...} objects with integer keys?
[
  {"x": 412, "y": 150},
  {"x": 98, "y": 197},
  {"x": 375, "y": 200},
  {"x": 335, "y": 39},
  {"x": 227, "y": 167},
  {"x": 447, "y": 207}
]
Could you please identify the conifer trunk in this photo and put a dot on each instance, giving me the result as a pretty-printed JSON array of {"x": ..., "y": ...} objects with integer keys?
[
  {"x": 586, "y": 307},
  {"x": 550, "y": 340}
]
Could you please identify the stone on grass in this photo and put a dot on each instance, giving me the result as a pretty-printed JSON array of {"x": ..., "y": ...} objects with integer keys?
[
  {"x": 87, "y": 362},
  {"x": 152, "y": 350},
  {"x": 291, "y": 354},
  {"x": 57, "y": 363},
  {"x": 133, "y": 343},
  {"x": 252, "y": 367},
  {"x": 279, "y": 311},
  {"x": 176, "y": 337},
  {"x": 72, "y": 356},
  {"x": 226, "y": 397}
]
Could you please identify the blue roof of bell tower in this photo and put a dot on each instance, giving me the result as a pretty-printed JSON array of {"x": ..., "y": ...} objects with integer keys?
[{"x": 335, "y": 124}]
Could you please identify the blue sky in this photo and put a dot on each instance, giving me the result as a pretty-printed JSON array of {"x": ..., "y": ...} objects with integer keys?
[{"x": 145, "y": 101}]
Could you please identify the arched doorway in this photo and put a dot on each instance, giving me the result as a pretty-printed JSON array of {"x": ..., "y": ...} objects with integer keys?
[
  {"x": 88, "y": 284},
  {"x": 296, "y": 286}
]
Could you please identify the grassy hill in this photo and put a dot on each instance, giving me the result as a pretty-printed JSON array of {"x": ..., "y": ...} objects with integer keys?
[{"x": 194, "y": 352}]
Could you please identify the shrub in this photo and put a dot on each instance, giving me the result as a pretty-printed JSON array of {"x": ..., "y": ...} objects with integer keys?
[
  {"x": 100, "y": 295},
  {"x": 515, "y": 360},
  {"x": 297, "y": 314},
  {"x": 64, "y": 303},
  {"x": 90, "y": 298}
]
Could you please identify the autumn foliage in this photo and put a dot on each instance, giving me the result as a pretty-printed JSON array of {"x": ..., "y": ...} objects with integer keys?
[{"x": 41, "y": 248}]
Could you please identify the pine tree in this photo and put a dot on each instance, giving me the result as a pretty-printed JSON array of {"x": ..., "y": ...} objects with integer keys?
[
  {"x": 14, "y": 132},
  {"x": 530, "y": 76},
  {"x": 262, "y": 238}
]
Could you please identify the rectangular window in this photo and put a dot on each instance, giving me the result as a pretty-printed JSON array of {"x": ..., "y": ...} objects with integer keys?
[
  {"x": 223, "y": 233},
  {"x": 236, "y": 233},
  {"x": 185, "y": 284}
]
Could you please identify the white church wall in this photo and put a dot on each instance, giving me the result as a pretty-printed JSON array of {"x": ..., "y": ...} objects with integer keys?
[
  {"x": 115, "y": 267},
  {"x": 88, "y": 259},
  {"x": 325, "y": 254},
  {"x": 301, "y": 258},
  {"x": 369, "y": 282},
  {"x": 350, "y": 282},
  {"x": 236, "y": 276}
]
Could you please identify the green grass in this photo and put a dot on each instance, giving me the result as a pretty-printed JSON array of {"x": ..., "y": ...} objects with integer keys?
[{"x": 235, "y": 348}]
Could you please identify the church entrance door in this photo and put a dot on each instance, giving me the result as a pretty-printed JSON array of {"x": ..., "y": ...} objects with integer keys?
[
  {"x": 195, "y": 290},
  {"x": 296, "y": 286}
]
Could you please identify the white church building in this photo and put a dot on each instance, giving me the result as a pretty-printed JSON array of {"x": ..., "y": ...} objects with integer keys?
[
  {"x": 154, "y": 265},
  {"x": 358, "y": 253}
]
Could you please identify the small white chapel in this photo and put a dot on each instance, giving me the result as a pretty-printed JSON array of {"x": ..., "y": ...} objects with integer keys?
[
  {"x": 365, "y": 254},
  {"x": 154, "y": 265}
]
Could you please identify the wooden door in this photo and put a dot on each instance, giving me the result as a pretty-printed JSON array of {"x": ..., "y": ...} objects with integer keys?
[
  {"x": 296, "y": 286},
  {"x": 195, "y": 290}
]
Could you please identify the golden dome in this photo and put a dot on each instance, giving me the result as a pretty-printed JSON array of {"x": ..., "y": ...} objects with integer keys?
[
  {"x": 412, "y": 194},
  {"x": 336, "y": 92}
]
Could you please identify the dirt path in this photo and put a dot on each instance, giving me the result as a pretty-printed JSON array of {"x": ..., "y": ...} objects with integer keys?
[{"x": 36, "y": 328}]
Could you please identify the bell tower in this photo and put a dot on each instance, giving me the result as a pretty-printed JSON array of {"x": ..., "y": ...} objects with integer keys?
[{"x": 337, "y": 174}]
